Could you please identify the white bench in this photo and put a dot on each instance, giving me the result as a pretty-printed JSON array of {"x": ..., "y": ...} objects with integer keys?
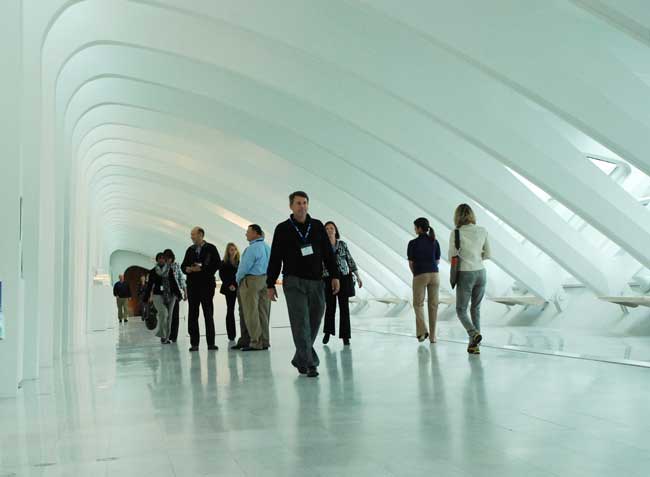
[
  {"x": 524, "y": 300},
  {"x": 626, "y": 302}
]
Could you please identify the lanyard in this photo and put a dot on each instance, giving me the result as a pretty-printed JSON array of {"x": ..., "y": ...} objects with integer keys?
[{"x": 304, "y": 237}]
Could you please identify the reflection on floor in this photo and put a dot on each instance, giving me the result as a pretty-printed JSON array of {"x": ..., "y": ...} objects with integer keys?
[
  {"x": 386, "y": 406},
  {"x": 570, "y": 342}
]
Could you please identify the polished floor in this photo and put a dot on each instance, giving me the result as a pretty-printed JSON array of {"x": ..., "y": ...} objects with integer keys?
[{"x": 386, "y": 406}]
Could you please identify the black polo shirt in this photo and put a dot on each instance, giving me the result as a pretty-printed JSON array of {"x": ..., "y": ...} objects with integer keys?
[{"x": 424, "y": 253}]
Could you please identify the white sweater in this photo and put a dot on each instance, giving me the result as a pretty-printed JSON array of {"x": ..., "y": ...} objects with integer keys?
[{"x": 474, "y": 247}]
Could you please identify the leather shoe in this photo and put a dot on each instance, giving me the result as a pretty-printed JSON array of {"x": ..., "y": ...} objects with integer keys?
[
  {"x": 213, "y": 348},
  {"x": 312, "y": 372},
  {"x": 250, "y": 348},
  {"x": 326, "y": 338},
  {"x": 194, "y": 348},
  {"x": 237, "y": 346}
]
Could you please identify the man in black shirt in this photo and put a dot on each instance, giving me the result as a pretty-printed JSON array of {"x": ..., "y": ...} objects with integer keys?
[
  {"x": 122, "y": 293},
  {"x": 201, "y": 262},
  {"x": 300, "y": 247}
]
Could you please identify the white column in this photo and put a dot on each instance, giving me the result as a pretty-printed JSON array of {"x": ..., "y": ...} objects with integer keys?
[{"x": 11, "y": 348}]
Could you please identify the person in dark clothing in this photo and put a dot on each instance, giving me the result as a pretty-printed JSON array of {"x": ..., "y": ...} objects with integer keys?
[
  {"x": 348, "y": 267},
  {"x": 163, "y": 291},
  {"x": 227, "y": 274},
  {"x": 142, "y": 296},
  {"x": 122, "y": 293},
  {"x": 170, "y": 257},
  {"x": 300, "y": 248},
  {"x": 201, "y": 262}
]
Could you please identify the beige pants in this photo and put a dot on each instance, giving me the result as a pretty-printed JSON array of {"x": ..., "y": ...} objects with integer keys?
[
  {"x": 257, "y": 309},
  {"x": 122, "y": 308},
  {"x": 429, "y": 283}
]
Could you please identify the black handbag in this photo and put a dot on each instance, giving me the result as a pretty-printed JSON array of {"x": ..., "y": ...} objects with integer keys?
[
  {"x": 151, "y": 320},
  {"x": 455, "y": 261}
]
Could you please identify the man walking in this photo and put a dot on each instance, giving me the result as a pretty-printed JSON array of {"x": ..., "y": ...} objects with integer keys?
[
  {"x": 122, "y": 293},
  {"x": 251, "y": 280},
  {"x": 300, "y": 248},
  {"x": 201, "y": 262}
]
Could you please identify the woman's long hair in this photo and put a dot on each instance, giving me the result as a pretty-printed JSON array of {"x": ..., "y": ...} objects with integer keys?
[
  {"x": 464, "y": 215},
  {"x": 234, "y": 261},
  {"x": 423, "y": 224}
]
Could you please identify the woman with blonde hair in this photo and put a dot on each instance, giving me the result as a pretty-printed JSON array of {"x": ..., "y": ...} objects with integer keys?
[
  {"x": 227, "y": 273},
  {"x": 469, "y": 242}
]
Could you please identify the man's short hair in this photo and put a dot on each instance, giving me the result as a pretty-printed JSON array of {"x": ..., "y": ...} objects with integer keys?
[
  {"x": 159, "y": 255},
  {"x": 258, "y": 230},
  {"x": 298, "y": 193},
  {"x": 201, "y": 231},
  {"x": 169, "y": 254}
]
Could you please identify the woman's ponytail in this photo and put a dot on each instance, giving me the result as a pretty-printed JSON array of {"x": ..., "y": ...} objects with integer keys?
[{"x": 423, "y": 224}]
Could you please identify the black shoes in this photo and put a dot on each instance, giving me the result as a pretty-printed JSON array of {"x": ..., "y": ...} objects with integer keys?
[
  {"x": 193, "y": 349},
  {"x": 213, "y": 348},
  {"x": 125, "y": 320},
  {"x": 300, "y": 369},
  {"x": 326, "y": 338},
  {"x": 250, "y": 348},
  {"x": 312, "y": 372},
  {"x": 346, "y": 341}
]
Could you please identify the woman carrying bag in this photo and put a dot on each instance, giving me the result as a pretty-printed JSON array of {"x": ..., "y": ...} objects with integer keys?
[
  {"x": 348, "y": 269},
  {"x": 163, "y": 292},
  {"x": 468, "y": 247}
]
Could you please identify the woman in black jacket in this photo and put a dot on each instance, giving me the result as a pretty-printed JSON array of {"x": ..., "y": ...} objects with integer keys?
[
  {"x": 347, "y": 268},
  {"x": 163, "y": 291},
  {"x": 227, "y": 273}
]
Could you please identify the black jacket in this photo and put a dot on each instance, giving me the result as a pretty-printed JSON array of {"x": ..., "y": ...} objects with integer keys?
[
  {"x": 210, "y": 260},
  {"x": 286, "y": 252},
  {"x": 121, "y": 290},
  {"x": 155, "y": 283},
  {"x": 227, "y": 273}
]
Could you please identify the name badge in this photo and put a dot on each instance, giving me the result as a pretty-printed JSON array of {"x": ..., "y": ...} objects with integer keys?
[
  {"x": 307, "y": 250},
  {"x": 161, "y": 288}
]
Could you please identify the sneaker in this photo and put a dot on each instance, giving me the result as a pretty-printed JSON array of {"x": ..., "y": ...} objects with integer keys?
[
  {"x": 312, "y": 372},
  {"x": 477, "y": 339},
  {"x": 326, "y": 338}
]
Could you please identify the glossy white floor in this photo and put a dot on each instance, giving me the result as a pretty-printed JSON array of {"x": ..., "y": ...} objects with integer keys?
[{"x": 384, "y": 407}]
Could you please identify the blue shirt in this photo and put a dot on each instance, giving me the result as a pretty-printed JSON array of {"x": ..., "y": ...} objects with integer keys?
[
  {"x": 424, "y": 253},
  {"x": 255, "y": 260}
]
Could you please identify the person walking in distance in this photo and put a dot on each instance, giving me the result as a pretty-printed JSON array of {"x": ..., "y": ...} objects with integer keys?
[
  {"x": 251, "y": 277},
  {"x": 300, "y": 247},
  {"x": 201, "y": 262},
  {"x": 122, "y": 293},
  {"x": 181, "y": 283},
  {"x": 423, "y": 254},
  {"x": 473, "y": 249}
]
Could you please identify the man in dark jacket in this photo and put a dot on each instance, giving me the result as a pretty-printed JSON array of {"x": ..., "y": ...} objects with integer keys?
[
  {"x": 300, "y": 248},
  {"x": 201, "y": 262},
  {"x": 122, "y": 293}
]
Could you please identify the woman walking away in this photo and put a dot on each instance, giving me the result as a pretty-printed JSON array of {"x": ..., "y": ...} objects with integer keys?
[
  {"x": 347, "y": 267},
  {"x": 227, "y": 274},
  {"x": 163, "y": 291},
  {"x": 424, "y": 256},
  {"x": 472, "y": 278}
]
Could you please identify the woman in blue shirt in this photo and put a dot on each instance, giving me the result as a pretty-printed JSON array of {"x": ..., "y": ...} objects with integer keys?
[{"x": 423, "y": 256}]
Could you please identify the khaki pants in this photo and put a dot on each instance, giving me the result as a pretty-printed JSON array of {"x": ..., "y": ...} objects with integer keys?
[
  {"x": 257, "y": 309},
  {"x": 429, "y": 283},
  {"x": 122, "y": 308}
]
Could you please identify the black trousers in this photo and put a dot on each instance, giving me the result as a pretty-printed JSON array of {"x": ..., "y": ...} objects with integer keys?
[
  {"x": 231, "y": 327},
  {"x": 200, "y": 296},
  {"x": 173, "y": 332},
  {"x": 345, "y": 331}
]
